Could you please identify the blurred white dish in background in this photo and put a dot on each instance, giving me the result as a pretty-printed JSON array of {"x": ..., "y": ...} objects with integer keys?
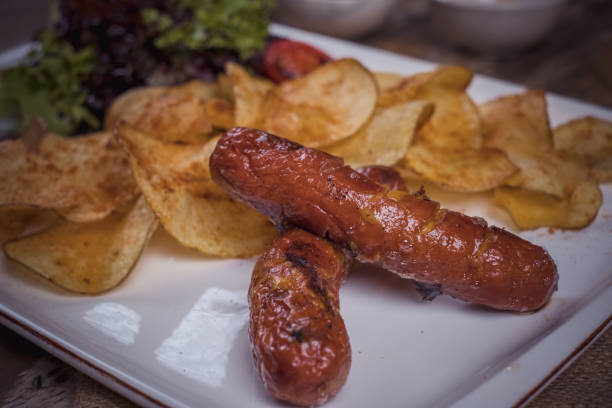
[
  {"x": 495, "y": 25},
  {"x": 338, "y": 18}
]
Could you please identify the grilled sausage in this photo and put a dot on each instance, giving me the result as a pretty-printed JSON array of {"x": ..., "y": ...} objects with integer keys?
[
  {"x": 298, "y": 339},
  {"x": 408, "y": 235}
]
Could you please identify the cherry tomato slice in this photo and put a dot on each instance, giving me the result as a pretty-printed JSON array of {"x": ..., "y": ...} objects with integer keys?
[{"x": 288, "y": 59}]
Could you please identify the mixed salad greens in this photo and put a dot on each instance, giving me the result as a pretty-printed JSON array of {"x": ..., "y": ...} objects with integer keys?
[{"x": 95, "y": 50}]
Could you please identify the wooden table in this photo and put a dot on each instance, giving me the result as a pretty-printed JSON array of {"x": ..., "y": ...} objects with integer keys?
[{"x": 575, "y": 60}]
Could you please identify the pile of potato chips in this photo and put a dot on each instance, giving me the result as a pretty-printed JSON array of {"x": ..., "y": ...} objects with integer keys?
[
  {"x": 80, "y": 211},
  {"x": 542, "y": 177},
  {"x": 81, "y": 195},
  {"x": 557, "y": 185}
]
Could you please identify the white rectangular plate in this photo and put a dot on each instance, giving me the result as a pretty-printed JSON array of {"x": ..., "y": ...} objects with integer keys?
[{"x": 174, "y": 333}]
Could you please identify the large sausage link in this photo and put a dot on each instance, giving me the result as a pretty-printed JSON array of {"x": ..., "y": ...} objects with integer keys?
[
  {"x": 405, "y": 234},
  {"x": 299, "y": 343}
]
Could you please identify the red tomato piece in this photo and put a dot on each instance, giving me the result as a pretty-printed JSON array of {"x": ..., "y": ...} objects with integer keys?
[{"x": 288, "y": 59}]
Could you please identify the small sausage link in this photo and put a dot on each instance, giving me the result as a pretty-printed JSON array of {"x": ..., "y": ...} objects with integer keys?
[{"x": 298, "y": 339}]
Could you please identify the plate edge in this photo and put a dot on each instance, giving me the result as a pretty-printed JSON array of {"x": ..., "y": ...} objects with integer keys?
[
  {"x": 565, "y": 363},
  {"x": 70, "y": 357}
]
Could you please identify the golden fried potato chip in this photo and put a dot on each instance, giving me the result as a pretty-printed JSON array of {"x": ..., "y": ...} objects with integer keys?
[
  {"x": 448, "y": 149},
  {"x": 519, "y": 125},
  {"x": 88, "y": 257},
  {"x": 226, "y": 89},
  {"x": 221, "y": 113},
  {"x": 84, "y": 178},
  {"x": 15, "y": 220},
  {"x": 385, "y": 138},
  {"x": 548, "y": 172},
  {"x": 131, "y": 100},
  {"x": 329, "y": 104},
  {"x": 533, "y": 209},
  {"x": 201, "y": 89},
  {"x": 170, "y": 115},
  {"x": 584, "y": 203},
  {"x": 453, "y": 77},
  {"x": 517, "y": 120},
  {"x": 249, "y": 94},
  {"x": 456, "y": 122},
  {"x": 590, "y": 139},
  {"x": 463, "y": 170},
  {"x": 389, "y": 81},
  {"x": 395, "y": 88},
  {"x": 407, "y": 173},
  {"x": 556, "y": 188},
  {"x": 196, "y": 211}
]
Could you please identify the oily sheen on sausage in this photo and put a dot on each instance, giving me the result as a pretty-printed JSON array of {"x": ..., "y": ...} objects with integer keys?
[
  {"x": 300, "y": 346},
  {"x": 406, "y": 234}
]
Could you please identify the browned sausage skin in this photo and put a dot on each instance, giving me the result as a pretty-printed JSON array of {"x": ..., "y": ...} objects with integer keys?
[
  {"x": 410, "y": 236},
  {"x": 298, "y": 338},
  {"x": 386, "y": 176}
]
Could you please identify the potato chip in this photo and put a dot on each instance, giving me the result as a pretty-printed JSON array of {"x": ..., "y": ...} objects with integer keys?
[
  {"x": 407, "y": 173},
  {"x": 92, "y": 257},
  {"x": 519, "y": 125},
  {"x": 201, "y": 89},
  {"x": 450, "y": 77},
  {"x": 549, "y": 172},
  {"x": 448, "y": 149},
  {"x": 15, "y": 220},
  {"x": 395, "y": 88},
  {"x": 456, "y": 121},
  {"x": 249, "y": 94},
  {"x": 454, "y": 124},
  {"x": 328, "y": 104},
  {"x": 385, "y": 138},
  {"x": 533, "y": 209},
  {"x": 517, "y": 120},
  {"x": 584, "y": 203},
  {"x": 463, "y": 170},
  {"x": 590, "y": 139},
  {"x": 225, "y": 89},
  {"x": 196, "y": 211},
  {"x": 171, "y": 115},
  {"x": 131, "y": 100},
  {"x": 84, "y": 178},
  {"x": 221, "y": 113},
  {"x": 556, "y": 188},
  {"x": 388, "y": 81}
]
